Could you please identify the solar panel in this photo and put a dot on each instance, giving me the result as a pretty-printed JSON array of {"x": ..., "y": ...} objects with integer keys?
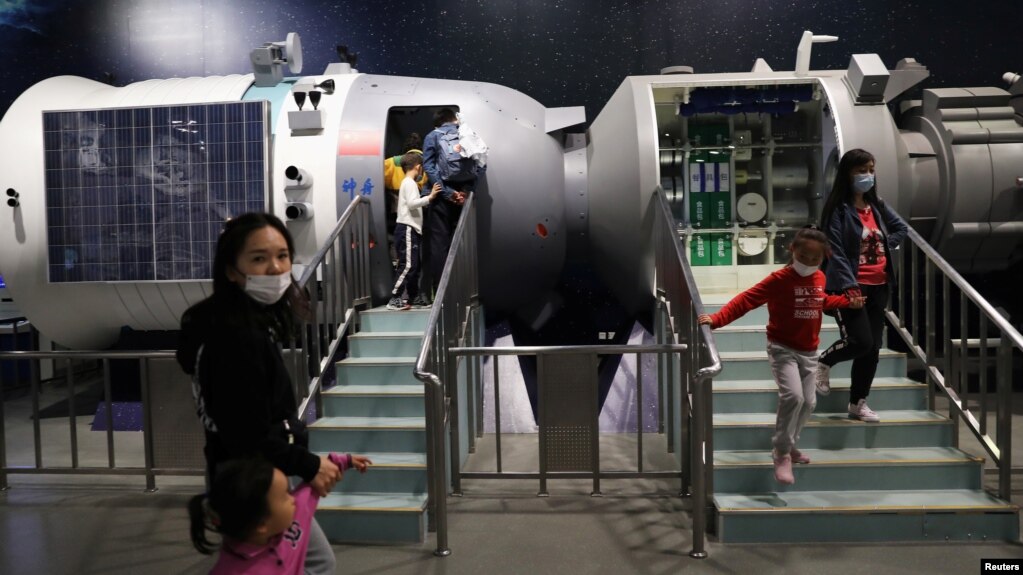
[{"x": 141, "y": 194}]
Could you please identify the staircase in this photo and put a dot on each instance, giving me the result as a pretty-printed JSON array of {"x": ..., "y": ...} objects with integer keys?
[
  {"x": 897, "y": 480},
  {"x": 377, "y": 409}
]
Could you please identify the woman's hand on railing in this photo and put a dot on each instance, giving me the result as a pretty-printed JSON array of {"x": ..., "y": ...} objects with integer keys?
[
  {"x": 327, "y": 476},
  {"x": 705, "y": 319}
]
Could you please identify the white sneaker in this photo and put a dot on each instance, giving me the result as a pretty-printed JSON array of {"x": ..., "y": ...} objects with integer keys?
[
  {"x": 861, "y": 412},
  {"x": 823, "y": 379}
]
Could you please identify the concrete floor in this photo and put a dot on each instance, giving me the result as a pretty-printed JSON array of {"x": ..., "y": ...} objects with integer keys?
[{"x": 109, "y": 525}]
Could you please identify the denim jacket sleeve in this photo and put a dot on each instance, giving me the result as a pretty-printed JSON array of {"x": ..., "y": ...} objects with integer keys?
[
  {"x": 838, "y": 262},
  {"x": 897, "y": 228}
]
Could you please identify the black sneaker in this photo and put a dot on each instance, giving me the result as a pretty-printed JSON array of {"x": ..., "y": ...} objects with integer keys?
[
  {"x": 421, "y": 302},
  {"x": 398, "y": 303}
]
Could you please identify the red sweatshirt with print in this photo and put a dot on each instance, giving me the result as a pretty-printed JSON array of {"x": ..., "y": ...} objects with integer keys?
[{"x": 794, "y": 306}]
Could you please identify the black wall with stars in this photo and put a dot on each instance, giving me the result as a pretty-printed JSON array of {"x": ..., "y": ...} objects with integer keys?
[{"x": 560, "y": 52}]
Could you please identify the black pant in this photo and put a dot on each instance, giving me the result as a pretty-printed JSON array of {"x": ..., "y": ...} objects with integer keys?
[
  {"x": 443, "y": 219},
  {"x": 861, "y": 331},
  {"x": 407, "y": 242}
]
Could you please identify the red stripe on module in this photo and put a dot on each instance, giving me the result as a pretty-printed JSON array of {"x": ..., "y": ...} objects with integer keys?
[{"x": 360, "y": 143}]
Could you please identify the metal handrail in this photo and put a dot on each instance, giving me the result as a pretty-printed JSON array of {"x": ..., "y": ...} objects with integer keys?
[
  {"x": 149, "y": 469},
  {"x": 453, "y": 307},
  {"x": 548, "y": 419},
  {"x": 338, "y": 283},
  {"x": 680, "y": 306},
  {"x": 946, "y": 365}
]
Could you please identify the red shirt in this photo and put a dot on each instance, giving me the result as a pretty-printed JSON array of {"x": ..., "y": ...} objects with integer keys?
[
  {"x": 794, "y": 305},
  {"x": 872, "y": 258}
]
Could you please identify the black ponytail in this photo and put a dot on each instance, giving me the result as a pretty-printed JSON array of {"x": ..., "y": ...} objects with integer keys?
[
  {"x": 236, "y": 503},
  {"x": 198, "y": 523}
]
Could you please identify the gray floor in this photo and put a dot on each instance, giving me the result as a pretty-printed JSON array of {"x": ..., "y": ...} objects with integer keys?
[{"x": 83, "y": 525}]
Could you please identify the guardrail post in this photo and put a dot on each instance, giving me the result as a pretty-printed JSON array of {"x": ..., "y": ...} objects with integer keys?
[
  {"x": 147, "y": 425},
  {"x": 1005, "y": 351}
]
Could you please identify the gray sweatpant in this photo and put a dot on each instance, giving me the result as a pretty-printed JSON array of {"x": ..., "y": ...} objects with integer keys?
[{"x": 795, "y": 373}]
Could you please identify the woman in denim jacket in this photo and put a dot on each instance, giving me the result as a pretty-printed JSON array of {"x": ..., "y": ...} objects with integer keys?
[{"x": 862, "y": 231}]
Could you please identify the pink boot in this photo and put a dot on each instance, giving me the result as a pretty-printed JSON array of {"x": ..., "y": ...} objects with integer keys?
[
  {"x": 783, "y": 469},
  {"x": 798, "y": 457}
]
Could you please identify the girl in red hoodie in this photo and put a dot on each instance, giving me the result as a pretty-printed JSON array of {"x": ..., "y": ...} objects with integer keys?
[{"x": 795, "y": 299}]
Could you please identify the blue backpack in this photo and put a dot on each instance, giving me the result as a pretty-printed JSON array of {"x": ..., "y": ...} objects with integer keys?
[{"x": 450, "y": 163}]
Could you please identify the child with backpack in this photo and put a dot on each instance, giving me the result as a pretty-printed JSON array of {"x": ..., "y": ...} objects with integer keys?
[
  {"x": 408, "y": 232},
  {"x": 795, "y": 299},
  {"x": 265, "y": 526}
]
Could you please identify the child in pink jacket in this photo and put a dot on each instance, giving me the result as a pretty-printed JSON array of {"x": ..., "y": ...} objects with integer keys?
[{"x": 264, "y": 525}]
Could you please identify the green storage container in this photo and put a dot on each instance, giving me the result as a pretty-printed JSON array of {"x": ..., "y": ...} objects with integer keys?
[
  {"x": 699, "y": 250},
  {"x": 721, "y": 250}
]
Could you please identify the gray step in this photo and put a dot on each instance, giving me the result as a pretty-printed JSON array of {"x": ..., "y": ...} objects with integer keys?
[
  {"x": 754, "y": 337},
  {"x": 376, "y": 371},
  {"x": 373, "y": 517},
  {"x": 754, "y": 365},
  {"x": 368, "y": 434},
  {"x": 851, "y": 470},
  {"x": 385, "y": 320},
  {"x": 385, "y": 344},
  {"x": 752, "y": 431},
  {"x": 374, "y": 401},
  {"x": 389, "y": 473},
  {"x": 752, "y": 396},
  {"x": 865, "y": 516}
]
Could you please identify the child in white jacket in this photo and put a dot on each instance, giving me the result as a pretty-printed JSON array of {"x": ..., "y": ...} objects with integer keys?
[{"x": 408, "y": 231}]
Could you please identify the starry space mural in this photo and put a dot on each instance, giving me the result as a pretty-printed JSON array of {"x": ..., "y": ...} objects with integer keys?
[{"x": 560, "y": 52}]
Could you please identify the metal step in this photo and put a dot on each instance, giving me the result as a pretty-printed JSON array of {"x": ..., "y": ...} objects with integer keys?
[
  {"x": 376, "y": 371},
  {"x": 385, "y": 344},
  {"x": 752, "y": 431},
  {"x": 754, "y": 365},
  {"x": 865, "y": 516},
  {"x": 752, "y": 396},
  {"x": 851, "y": 470},
  {"x": 382, "y": 319},
  {"x": 389, "y": 473},
  {"x": 368, "y": 434},
  {"x": 374, "y": 401},
  {"x": 373, "y": 517}
]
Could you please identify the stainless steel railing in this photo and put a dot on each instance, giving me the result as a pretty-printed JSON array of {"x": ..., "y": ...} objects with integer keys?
[
  {"x": 144, "y": 358},
  {"x": 679, "y": 305},
  {"x": 587, "y": 399},
  {"x": 454, "y": 321},
  {"x": 337, "y": 280},
  {"x": 948, "y": 359}
]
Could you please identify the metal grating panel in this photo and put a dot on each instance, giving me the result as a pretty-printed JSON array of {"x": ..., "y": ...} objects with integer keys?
[
  {"x": 569, "y": 411},
  {"x": 178, "y": 437},
  {"x": 141, "y": 194}
]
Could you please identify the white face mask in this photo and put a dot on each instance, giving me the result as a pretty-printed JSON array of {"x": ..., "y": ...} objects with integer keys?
[
  {"x": 803, "y": 269},
  {"x": 267, "y": 290}
]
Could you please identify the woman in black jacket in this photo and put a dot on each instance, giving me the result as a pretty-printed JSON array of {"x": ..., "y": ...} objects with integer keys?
[
  {"x": 229, "y": 345},
  {"x": 862, "y": 231}
]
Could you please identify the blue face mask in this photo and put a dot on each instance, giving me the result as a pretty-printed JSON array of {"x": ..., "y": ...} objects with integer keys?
[{"x": 863, "y": 182}]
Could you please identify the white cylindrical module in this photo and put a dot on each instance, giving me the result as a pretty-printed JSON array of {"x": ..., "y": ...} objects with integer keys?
[
  {"x": 85, "y": 315},
  {"x": 314, "y": 170}
]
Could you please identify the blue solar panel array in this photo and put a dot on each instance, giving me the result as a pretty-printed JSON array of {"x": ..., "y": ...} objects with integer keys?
[{"x": 141, "y": 194}]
